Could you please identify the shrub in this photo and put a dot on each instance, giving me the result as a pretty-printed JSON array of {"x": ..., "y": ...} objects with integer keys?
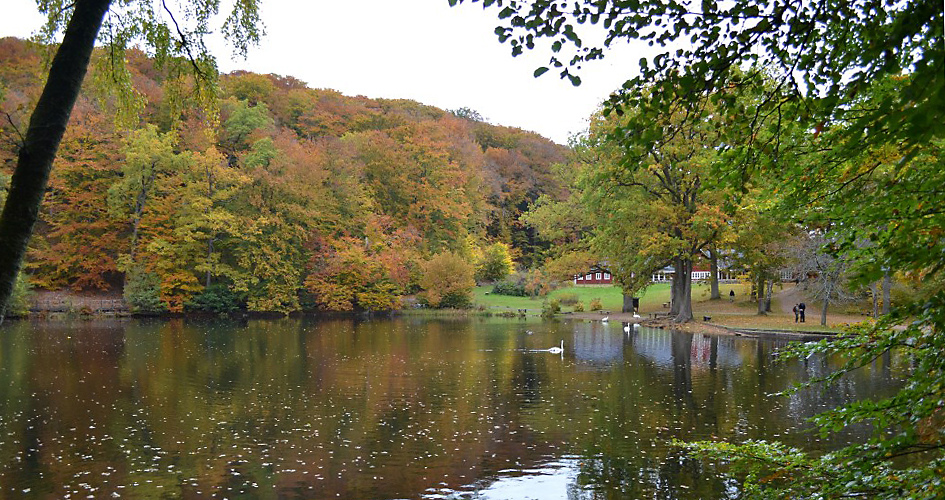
[
  {"x": 595, "y": 305},
  {"x": 447, "y": 281},
  {"x": 538, "y": 284},
  {"x": 514, "y": 289},
  {"x": 568, "y": 299},
  {"x": 550, "y": 308},
  {"x": 143, "y": 292},
  {"x": 217, "y": 298},
  {"x": 579, "y": 307},
  {"x": 19, "y": 303}
]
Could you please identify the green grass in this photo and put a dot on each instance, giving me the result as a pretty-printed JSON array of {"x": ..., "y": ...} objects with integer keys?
[
  {"x": 652, "y": 298},
  {"x": 611, "y": 298}
]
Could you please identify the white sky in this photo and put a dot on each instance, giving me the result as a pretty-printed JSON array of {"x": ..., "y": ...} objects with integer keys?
[{"x": 414, "y": 49}]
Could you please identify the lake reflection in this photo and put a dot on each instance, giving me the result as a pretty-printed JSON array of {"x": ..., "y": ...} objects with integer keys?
[{"x": 387, "y": 409}]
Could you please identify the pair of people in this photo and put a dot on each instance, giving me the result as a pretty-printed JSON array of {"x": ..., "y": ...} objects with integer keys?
[{"x": 799, "y": 312}]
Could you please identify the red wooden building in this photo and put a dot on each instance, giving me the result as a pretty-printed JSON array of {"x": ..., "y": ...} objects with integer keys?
[{"x": 596, "y": 276}]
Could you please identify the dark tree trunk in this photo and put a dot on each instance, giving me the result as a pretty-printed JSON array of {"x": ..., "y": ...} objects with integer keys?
[
  {"x": 627, "y": 304},
  {"x": 887, "y": 285},
  {"x": 47, "y": 126},
  {"x": 768, "y": 293},
  {"x": 874, "y": 291},
  {"x": 714, "y": 279},
  {"x": 674, "y": 292},
  {"x": 684, "y": 296}
]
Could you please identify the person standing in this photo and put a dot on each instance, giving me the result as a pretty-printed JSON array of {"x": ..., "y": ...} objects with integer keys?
[
  {"x": 800, "y": 308},
  {"x": 796, "y": 313}
]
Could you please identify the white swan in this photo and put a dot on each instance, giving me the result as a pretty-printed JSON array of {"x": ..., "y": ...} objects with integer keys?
[
  {"x": 635, "y": 315},
  {"x": 557, "y": 350},
  {"x": 604, "y": 319},
  {"x": 627, "y": 328}
]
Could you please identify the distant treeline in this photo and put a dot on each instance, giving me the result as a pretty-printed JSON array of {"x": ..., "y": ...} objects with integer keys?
[{"x": 281, "y": 198}]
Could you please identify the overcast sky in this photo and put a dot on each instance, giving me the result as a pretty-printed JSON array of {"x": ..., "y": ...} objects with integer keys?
[{"x": 414, "y": 49}]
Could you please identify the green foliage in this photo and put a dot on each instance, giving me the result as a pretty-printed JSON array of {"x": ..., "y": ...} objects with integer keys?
[
  {"x": 19, "y": 304},
  {"x": 217, "y": 298},
  {"x": 511, "y": 288},
  {"x": 495, "y": 263},
  {"x": 243, "y": 121},
  {"x": 579, "y": 307},
  {"x": 550, "y": 307},
  {"x": 448, "y": 281},
  {"x": 143, "y": 292}
]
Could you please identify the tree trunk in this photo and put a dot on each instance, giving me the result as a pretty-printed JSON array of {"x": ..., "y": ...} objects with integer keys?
[
  {"x": 874, "y": 291},
  {"x": 684, "y": 297},
  {"x": 714, "y": 279},
  {"x": 823, "y": 311},
  {"x": 760, "y": 293},
  {"x": 887, "y": 285},
  {"x": 47, "y": 126},
  {"x": 674, "y": 292},
  {"x": 209, "y": 260},
  {"x": 768, "y": 296},
  {"x": 627, "y": 304}
]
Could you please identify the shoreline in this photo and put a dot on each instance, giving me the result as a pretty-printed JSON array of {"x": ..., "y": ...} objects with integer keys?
[{"x": 662, "y": 323}]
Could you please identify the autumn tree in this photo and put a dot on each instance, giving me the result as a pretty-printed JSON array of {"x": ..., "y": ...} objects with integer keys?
[
  {"x": 348, "y": 278},
  {"x": 79, "y": 22},
  {"x": 495, "y": 262},
  {"x": 447, "y": 281},
  {"x": 149, "y": 156},
  {"x": 650, "y": 197}
]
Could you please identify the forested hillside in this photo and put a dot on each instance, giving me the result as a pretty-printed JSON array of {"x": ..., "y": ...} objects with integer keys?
[{"x": 288, "y": 197}]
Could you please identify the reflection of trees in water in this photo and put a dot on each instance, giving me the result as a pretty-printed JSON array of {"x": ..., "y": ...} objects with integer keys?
[
  {"x": 319, "y": 408},
  {"x": 670, "y": 477}
]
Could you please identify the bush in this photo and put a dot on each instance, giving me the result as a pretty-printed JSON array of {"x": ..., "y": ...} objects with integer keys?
[
  {"x": 595, "y": 305},
  {"x": 217, "y": 298},
  {"x": 514, "y": 289},
  {"x": 568, "y": 299},
  {"x": 19, "y": 303},
  {"x": 447, "y": 281},
  {"x": 550, "y": 308},
  {"x": 579, "y": 307},
  {"x": 143, "y": 292},
  {"x": 538, "y": 284}
]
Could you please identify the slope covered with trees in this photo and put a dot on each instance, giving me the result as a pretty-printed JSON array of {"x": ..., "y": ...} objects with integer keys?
[{"x": 282, "y": 197}]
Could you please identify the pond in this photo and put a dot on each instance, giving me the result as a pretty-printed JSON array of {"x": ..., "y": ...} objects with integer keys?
[{"x": 404, "y": 408}]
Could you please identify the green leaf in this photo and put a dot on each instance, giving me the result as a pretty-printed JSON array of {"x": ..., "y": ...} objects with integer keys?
[{"x": 540, "y": 71}]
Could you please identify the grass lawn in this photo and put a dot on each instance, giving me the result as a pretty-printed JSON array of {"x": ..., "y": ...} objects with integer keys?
[{"x": 652, "y": 299}]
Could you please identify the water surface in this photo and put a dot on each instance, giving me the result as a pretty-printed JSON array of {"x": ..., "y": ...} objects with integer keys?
[{"x": 406, "y": 408}]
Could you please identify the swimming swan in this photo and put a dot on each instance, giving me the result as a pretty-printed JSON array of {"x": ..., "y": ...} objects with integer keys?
[{"x": 557, "y": 350}]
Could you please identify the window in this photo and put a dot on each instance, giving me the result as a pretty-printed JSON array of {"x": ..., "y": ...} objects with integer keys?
[
  {"x": 597, "y": 276},
  {"x": 589, "y": 276},
  {"x": 580, "y": 278},
  {"x": 606, "y": 276}
]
